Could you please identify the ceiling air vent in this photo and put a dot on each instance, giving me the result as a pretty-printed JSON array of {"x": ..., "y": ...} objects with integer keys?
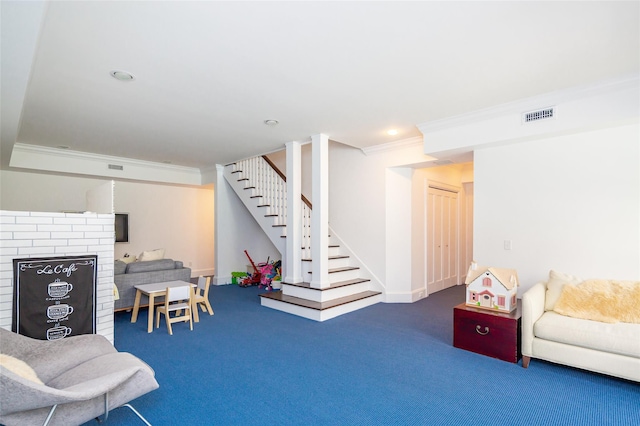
[
  {"x": 538, "y": 115},
  {"x": 116, "y": 167}
]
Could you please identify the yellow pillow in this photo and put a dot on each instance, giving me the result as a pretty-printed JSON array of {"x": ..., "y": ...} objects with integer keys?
[
  {"x": 557, "y": 280},
  {"x": 19, "y": 367}
]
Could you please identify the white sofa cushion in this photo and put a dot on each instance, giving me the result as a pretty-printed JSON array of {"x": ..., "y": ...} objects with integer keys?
[{"x": 620, "y": 338}]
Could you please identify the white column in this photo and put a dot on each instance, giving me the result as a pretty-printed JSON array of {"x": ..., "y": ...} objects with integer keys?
[
  {"x": 320, "y": 212},
  {"x": 293, "y": 258},
  {"x": 223, "y": 264},
  {"x": 404, "y": 252}
]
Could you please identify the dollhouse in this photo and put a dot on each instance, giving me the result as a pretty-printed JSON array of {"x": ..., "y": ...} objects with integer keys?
[{"x": 492, "y": 288}]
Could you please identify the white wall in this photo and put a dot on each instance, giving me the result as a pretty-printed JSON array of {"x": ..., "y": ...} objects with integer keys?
[
  {"x": 570, "y": 203},
  {"x": 179, "y": 219},
  {"x": 44, "y": 192},
  {"x": 100, "y": 199},
  {"x": 364, "y": 209}
]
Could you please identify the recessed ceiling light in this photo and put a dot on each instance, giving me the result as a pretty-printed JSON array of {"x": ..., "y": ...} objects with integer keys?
[
  {"x": 392, "y": 132},
  {"x": 122, "y": 75},
  {"x": 271, "y": 122}
]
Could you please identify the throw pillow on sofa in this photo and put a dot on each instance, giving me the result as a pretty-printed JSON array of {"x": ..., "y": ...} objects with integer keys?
[
  {"x": 557, "y": 280},
  {"x": 156, "y": 254},
  {"x": 128, "y": 259}
]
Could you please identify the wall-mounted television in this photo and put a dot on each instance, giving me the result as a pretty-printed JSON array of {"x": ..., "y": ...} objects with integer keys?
[{"x": 122, "y": 227}]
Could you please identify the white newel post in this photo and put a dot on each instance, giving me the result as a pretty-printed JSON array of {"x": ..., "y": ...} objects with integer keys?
[
  {"x": 293, "y": 260},
  {"x": 320, "y": 212}
]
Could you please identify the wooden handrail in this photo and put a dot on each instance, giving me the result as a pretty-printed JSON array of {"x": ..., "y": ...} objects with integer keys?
[
  {"x": 306, "y": 201},
  {"x": 284, "y": 178},
  {"x": 275, "y": 168}
]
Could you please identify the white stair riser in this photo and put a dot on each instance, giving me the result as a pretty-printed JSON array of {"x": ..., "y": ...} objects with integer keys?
[
  {"x": 337, "y": 276},
  {"x": 324, "y": 295},
  {"x": 339, "y": 263},
  {"x": 327, "y": 314},
  {"x": 299, "y": 311},
  {"x": 334, "y": 251},
  {"x": 307, "y": 266},
  {"x": 343, "y": 276},
  {"x": 316, "y": 315}
]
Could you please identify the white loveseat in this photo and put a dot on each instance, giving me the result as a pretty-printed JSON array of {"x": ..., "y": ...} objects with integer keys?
[{"x": 608, "y": 348}]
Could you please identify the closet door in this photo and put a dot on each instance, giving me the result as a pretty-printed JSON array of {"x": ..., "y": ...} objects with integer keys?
[
  {"x": 442, "y": 238},
  {"x": 450, "y": 239}
]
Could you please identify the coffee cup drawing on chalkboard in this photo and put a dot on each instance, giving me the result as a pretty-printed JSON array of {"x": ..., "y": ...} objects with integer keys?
[
  {"x": 59, "y": 288},
  {"x": 58, "y": 332},
  {"x": 57, "y": 312}
]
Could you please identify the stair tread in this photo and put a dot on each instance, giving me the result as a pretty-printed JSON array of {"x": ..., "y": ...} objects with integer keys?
[
  {"x": 342, "y": 269},
  {"x": 330, "y": 258},
  {"x": 332, "y": 285},
  {"x": 277, "y": 295}
]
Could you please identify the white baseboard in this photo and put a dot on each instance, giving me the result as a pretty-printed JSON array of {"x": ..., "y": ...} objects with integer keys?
[
  {"x": 405, "y": 297},
  {"x": 221, "y": 280},
  {"x": 206, "y": 272}
]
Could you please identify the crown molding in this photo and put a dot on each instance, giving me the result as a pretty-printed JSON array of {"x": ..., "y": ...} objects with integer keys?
[
  {"x": 392, "y": 146},
  {"x": 628, "y": 82},
  {"x": 75, "y": 162}
]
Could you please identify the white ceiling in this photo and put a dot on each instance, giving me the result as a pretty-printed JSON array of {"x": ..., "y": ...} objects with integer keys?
[{"x": 209, "y": 73}]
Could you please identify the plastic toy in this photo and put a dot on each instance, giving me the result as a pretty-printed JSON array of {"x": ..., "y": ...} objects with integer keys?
[{"x": 251, "y": 279}]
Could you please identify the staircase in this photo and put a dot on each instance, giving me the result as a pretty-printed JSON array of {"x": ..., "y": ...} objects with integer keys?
[{"x": 262, "y": 189}]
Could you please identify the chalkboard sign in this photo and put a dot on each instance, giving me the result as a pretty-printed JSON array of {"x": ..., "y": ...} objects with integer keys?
[{"x": 54, "y": 297}]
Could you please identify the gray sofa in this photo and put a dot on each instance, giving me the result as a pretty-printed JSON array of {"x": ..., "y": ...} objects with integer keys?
[{"x": 126, "y": 276}]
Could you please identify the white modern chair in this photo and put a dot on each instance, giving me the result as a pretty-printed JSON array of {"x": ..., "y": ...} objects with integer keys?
[
  {"x": 67, "y": 381},
  {"x": 176, "y": 300},
  {"x": 201, "y": 298}
]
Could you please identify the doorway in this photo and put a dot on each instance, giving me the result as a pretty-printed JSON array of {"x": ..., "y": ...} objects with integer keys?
[{"x": 442, "y": 237}]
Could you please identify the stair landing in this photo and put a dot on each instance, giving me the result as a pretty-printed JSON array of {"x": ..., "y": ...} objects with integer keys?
[{"x": 319, "y": 311}]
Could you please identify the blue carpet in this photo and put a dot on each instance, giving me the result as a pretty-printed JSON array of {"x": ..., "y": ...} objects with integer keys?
[{"x": 389, "y": 364}]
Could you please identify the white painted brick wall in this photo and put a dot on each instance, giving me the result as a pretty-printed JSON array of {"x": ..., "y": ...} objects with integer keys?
[{"x": 41, "y": 234}]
